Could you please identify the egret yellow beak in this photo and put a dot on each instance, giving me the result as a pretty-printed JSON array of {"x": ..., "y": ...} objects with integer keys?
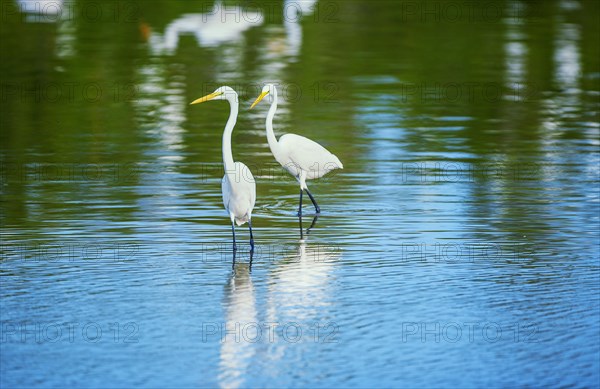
[
  {"x": 206, "y": 98},
  {"x": 259, "y": 98}
]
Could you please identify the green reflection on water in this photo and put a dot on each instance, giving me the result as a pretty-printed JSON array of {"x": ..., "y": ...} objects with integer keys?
[{"x": 95, "y": 101}]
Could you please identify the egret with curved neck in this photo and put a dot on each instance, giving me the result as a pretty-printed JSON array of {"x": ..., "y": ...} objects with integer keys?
[
  {"x": 301, "y": 157},
  {"x": 238, "y": 185}
]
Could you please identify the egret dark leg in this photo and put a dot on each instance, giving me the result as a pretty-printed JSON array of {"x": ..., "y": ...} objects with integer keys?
[
  {"x": 233, "y": 262},
  {"x": 300, "y": 223},
  {"x": 233, "y": 232},
  {"x": 251, "y": 238},
  {"x": 317, "y": 209},
  {"x": 251, "y": 258},
  {"x": 314, "y": 221},
  {"x": 300, "y": 206}
]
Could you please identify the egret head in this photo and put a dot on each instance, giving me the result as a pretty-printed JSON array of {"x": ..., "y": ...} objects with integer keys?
[
  {"x": 268, "y": 89},
  {"x": 222, "y": 93}
]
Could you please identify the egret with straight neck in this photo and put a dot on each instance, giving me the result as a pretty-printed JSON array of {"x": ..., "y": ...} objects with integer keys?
[
  {"x": 238, "y": 185},
  {"x": 303, "y": 158}
]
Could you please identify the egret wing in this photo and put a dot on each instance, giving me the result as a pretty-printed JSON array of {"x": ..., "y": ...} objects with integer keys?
[
  {"x": 239, "y": 193},
  {"x": 310, "y": 156}
]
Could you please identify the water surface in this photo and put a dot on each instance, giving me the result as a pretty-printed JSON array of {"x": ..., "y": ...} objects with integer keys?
[{"x": 458, "y": 247}]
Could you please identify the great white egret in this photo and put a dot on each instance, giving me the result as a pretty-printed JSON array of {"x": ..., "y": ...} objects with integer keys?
[
  {"x": 238, "y": 185},
  {"x": 301, "y": 157}
]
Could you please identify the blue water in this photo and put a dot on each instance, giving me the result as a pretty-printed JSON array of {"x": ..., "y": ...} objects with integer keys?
[{"x": 458, "y": 247}]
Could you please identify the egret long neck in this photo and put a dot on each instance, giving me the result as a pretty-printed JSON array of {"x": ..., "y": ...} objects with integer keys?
[
  {"x": 273, "y": 145},
  {"x": 227, "y": 154}
]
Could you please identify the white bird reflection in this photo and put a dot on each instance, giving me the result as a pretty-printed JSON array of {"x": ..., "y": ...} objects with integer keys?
[
  {"x": 567, "y": 57},
  {"x": 160, "y": 95},
  {"x": 237, "y": 346},
  {"x": 515, "y": 49},
  {"x": 567, "y": 76},
  {"x": 283, "y": 43},
  {"x": 44, "y": 11},
  {"x": 300, "y": 291},
  {"x": 300, "y": 286},
  {"x": 220, "y": 25},
  {"x": 53, "y": 12}
]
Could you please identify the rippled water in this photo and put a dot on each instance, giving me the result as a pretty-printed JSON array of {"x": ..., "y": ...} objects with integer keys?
[{"x": 458, "y": 247}]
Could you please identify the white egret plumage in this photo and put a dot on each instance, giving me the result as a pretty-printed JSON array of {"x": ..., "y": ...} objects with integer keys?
[
  {"x": 238, "y": 185},
  {"x": 301, "y": 157}
]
